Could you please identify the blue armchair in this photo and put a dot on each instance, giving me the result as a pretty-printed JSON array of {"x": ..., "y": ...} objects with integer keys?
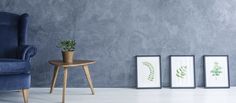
[{"x": 15, "y": 54}]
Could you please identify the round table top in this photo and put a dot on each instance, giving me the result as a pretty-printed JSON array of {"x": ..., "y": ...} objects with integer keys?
[{"x": 75, "y": 63}]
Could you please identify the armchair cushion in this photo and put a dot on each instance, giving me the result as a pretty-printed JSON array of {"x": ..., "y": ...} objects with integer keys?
[
  {"x": 14, "y": 82},
  {"x": 13, "y": 66},
  {"x": 25, "y": 52}
]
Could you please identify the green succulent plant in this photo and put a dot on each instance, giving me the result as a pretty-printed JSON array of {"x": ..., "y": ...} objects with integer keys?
[{"x": 67, "y": 45}]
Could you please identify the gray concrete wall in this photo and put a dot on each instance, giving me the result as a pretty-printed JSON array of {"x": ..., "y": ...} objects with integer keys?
[{"x": 114, "y": 31}]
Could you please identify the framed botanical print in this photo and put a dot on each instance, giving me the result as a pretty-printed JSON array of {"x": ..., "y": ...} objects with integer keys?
[
  {"x": 216, "y": 68},
  {"x": 148, "y": 71},
  {"x": 182, "y": 71}
]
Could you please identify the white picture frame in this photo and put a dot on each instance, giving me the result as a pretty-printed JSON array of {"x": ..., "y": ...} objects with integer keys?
[
  {"x": 216, "y": 70},
  {"x": 148, "y": 71},
  {"x": 182, "y": 71}
]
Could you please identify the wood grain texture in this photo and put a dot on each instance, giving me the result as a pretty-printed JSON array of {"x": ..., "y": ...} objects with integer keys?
[
  {"x": 74, "y": 64},
  {"x": 64, "y": 84},
  {"x": 55, "y": 73},
  {"x": 87, "y": 73},
  {"x": 25, "y": 93}
]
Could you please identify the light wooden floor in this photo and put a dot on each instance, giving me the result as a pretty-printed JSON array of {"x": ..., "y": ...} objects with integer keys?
[{"x": 125, "y": 95}]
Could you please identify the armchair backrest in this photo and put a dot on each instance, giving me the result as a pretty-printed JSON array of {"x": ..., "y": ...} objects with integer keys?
[{"x": 13, "y": 33}]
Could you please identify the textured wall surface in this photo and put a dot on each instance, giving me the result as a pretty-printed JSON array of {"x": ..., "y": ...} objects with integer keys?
[{"x": 114, "y": 31}]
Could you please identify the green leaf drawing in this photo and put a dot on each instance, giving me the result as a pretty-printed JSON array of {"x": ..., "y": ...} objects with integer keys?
[
  {"x": 151, "y": 70},
  {"x": 181, "y": 72},
  {"x": 216, "y": 70}
]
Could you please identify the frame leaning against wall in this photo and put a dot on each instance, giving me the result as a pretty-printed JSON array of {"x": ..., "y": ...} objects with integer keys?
[
  {"x": 148, "y": 72},
  {"x": 173, "y": 77},
  {"x": 216, "y": 70}
]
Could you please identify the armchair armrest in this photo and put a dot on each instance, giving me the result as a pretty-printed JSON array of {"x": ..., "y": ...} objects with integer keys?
[{"x": 26, "y": 52}]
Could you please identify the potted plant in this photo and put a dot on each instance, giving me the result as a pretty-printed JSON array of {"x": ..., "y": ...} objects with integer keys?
[{"x": 67, "y": 47}]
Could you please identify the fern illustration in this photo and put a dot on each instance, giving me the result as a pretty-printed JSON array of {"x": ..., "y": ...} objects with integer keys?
[
  {"x": 181, "y": 72},
  {"x": 151, "y": 70},
  {"x": 216, "y": 71}
]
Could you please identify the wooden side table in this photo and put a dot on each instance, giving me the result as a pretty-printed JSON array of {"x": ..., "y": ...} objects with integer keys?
[{"x": 59, "y": 63}]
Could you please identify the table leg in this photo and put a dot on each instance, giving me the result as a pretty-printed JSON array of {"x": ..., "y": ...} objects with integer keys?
[
  {"x": 64, "y": 84},
  {"x": 54, "y": 78},
  {"x": 25, "y": 93},
  {"x": 87, "y": 73}
]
